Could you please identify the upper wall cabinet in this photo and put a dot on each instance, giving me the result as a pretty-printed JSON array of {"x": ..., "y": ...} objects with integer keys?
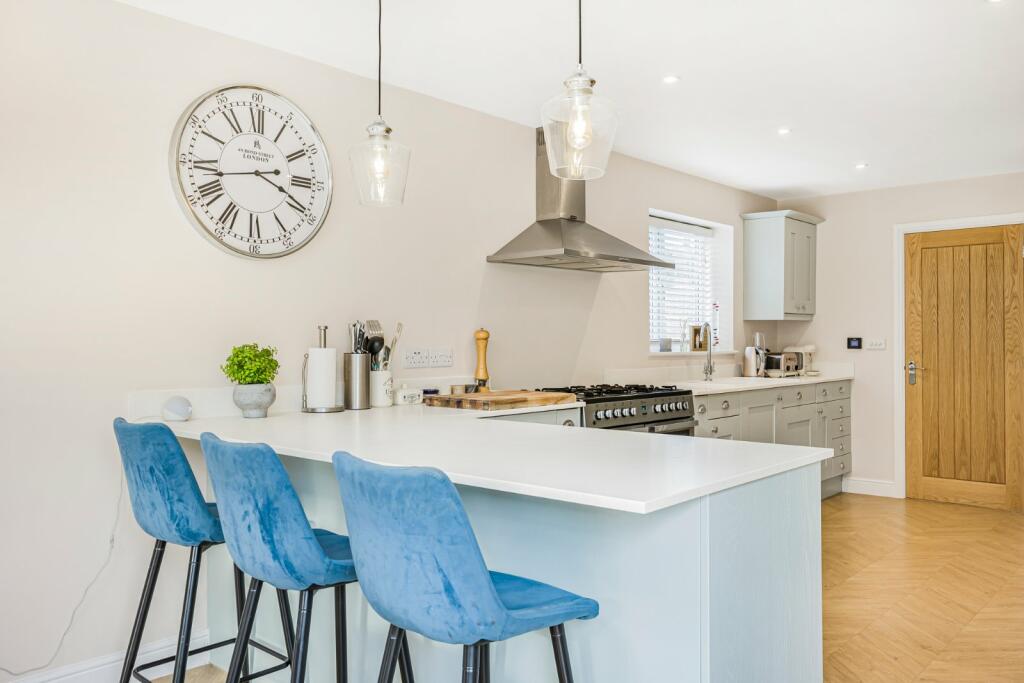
[{"x": 779, "y": 262}]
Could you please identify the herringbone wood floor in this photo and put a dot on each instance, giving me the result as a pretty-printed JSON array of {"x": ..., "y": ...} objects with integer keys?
[{"x": 921, "y": 591}]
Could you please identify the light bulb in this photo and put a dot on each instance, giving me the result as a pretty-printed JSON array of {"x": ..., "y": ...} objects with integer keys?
[
  {"x": 580, "y": 131},
  {"x": 379, "y": 165}
]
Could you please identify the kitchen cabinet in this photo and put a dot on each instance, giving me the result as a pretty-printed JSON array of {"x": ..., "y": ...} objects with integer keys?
[
  {"x": 779, "y": 265},
  {"x": 567, "y": 417},
  {"x": 720, "y": 428},
  {"x": 759, "y": 415},
  {"x": 797, "y": 425}
]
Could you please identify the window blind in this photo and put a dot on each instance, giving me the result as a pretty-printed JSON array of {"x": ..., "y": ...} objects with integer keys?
[{"x": 684, "y": 294}]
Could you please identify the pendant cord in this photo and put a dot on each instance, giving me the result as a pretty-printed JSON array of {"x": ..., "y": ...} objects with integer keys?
[
  {"x": 579, "y": 31},
  {"x": 380, "y": 49}
]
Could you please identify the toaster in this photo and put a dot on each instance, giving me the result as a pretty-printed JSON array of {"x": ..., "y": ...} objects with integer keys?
[{"x": 786, "y": 364}]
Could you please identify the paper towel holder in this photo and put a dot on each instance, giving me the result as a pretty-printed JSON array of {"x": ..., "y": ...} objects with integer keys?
[{"x": 305, "y": 368}]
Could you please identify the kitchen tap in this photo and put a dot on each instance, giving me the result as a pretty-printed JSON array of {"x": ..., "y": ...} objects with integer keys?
[{"x": 709, "y": 366}]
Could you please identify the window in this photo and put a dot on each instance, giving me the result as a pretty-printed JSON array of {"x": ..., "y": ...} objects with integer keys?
[{"x": 699, "y": 287}]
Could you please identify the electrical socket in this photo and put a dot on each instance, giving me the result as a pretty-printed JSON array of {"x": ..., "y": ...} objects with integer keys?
[
  {"x": 875, "y": 345},
  {"x": 441, "y": 357},
  {"x": 416, "y": 357}
]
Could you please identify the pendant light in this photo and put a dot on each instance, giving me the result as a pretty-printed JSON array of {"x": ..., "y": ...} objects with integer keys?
[
  {"x": 380, "y": 164},
  {"x": 579, "y": 127}
]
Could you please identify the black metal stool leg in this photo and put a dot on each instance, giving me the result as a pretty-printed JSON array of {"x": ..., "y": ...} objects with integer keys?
[
  {"x": 302, "y": 636},
  {"x": 188, "y": 610},
  {"x": 143, "y": 612},
  {"x": 485, "y": 662},
  {"x": 340, "y": 635},
  {"x": 390, "y": 659},
  {"x": 405, "y": 660},
  {"x": 244, "y": 631},
  {"x": 561, "y": 649},
  {"x": 287, "y": 627},
  {"x": 470, "y": 662},
  {"x": 239, "y": 605}
]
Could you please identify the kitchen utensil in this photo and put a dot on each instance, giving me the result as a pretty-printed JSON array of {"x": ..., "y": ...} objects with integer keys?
[
  {"x": 357, "y": 381},
  {"x": 500, "y": 400},
  {"x": 373, "y": 328},
  {"x": 320, "y": 378},
  {"x": 381, "y": 388},
  {"x": 393, "y": 346},
  {"x": 481, "y": 376},
  {"x": 374, "y": 345}
]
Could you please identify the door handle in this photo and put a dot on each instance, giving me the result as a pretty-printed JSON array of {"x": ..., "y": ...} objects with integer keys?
[{"x": 912, "y": 371}]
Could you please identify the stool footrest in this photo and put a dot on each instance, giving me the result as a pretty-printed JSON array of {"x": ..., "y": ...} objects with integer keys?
[{"x": 285, "y": 659}]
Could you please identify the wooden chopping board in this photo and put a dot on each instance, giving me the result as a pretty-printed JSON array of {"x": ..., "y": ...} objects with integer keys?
[{"x": 500, "y": 400}]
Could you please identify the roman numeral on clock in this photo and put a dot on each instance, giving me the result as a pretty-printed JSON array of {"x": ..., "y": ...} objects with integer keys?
[
  {"x": 284, "y": 230},
  {"x": 278, "y": 136},
  {"x": 214, "y": 138},
  {"x": 233, "y": 121},
  {"x": 205, "y": 165},
  {"x": 295, "y": 204},
  {"x": 211, "y": 190},
  {"x": 301, "y": 181},
  {"x": 228, "y": 216},
  {"x": 257, "y": 120},
  {"x": 254, "y": 226},
  {"x": 297, "y": 155}
]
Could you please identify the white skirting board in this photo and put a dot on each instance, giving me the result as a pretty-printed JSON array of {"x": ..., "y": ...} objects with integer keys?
[
  {"x": 872, "y": 487},
  {"x": 107, "y": 668}
]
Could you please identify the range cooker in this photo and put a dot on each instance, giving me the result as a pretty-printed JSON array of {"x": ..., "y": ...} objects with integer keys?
[{"x": 635, "y": 407}]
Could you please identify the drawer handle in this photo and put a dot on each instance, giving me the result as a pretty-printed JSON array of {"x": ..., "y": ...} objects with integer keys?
[
  {"x": 824, "y": 392},
  {"x": 840, "y": 409},
  {"x": 714, "y": 430},
  {"x": 842, "y": 465},
  {"x": 842, "y": 389},
  {"x": 701, "y": 409},
  {"x": 799, "y": 395},
  {"x": 569, "y": 423},
  {"x": 725, "y": 405},
  {"x": 779, "y": 397},
  {"x": 842, "y": 428},
  {"x": 820, "y": 411}
]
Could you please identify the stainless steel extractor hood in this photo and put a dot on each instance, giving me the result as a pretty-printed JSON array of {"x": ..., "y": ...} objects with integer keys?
[{"x": 561, "y": 237}]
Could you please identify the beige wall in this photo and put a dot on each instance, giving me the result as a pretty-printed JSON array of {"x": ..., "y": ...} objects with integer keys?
[
  {"x": 856, "y": 291},
  {"x": 107, "y": 288}
]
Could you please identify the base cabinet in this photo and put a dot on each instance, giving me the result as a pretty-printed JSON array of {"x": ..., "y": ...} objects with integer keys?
[{"x": 799, "y": 415}]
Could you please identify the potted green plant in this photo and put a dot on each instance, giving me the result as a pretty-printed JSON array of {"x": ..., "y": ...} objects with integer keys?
[{"x": 253, "y": 369}]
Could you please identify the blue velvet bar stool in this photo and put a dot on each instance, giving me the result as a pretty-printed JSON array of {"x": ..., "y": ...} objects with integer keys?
[
  {"x": 271, "y": 539},
  {"x": 421, "y": 569},
  {"x": 168, "y": 505}
]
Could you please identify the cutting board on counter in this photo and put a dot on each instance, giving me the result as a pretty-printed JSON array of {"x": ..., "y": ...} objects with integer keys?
[{"x": 500, "y": 400}]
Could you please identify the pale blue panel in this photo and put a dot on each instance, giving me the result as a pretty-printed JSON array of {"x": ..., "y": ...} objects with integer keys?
[{"x": 765, "y": 580}]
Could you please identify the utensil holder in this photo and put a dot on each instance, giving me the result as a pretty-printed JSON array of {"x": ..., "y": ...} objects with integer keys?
[
  {"x": 381, "y": 389},
  {"x": 356, "y": 368}
]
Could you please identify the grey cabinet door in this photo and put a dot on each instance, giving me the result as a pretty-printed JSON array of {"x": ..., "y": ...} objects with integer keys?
[
  {"x": 800, "y": 267},
  {"x": 797, "y": 426},
  {"x": 758, "y": 416}
]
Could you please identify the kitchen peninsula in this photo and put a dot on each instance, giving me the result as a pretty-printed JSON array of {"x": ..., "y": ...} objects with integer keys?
[{"x": 705, "y": 555}]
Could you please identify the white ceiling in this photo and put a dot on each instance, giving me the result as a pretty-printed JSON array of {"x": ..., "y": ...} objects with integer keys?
[{"x": 922, "y": 90}]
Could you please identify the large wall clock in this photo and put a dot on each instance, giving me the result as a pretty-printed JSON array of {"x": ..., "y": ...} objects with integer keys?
[{"x": 252, "y": 171}]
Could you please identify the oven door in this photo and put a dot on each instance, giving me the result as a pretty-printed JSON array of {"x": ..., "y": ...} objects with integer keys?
[{"x": 675, "y": 427}]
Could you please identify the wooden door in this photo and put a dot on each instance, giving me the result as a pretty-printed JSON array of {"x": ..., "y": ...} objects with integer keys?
[{"x": 965, "y": 335}]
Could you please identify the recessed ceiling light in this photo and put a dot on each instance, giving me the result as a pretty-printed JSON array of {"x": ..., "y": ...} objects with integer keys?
[
  {"x": 670, "y": 79},
  {"x": 860, "y": 166},
  {"x": 994, "y": 1},
  {"x": 785, "y": 130}
]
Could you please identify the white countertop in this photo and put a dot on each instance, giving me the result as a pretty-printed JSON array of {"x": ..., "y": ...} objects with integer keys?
[
  {"x": 617, "y": 470},
  {"x": 726, "y": 385}
]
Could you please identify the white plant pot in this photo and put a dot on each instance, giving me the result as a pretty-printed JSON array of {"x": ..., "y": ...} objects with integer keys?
[{"x": 254, "y": 399}]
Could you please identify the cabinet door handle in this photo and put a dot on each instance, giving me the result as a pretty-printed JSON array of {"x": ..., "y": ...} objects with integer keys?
[
  {"x": 725, "y": 405},
  {"x": 842, "y": 428},
  {"x": 779, "y": 397},
  {"x": 820, "y": 411},
  {"x": 701, "y": 409},
  {"x": 569, "y": 423},
  {"x": 842, "y": 465},
  {"x": 840, "y": 409},
  {"x": 714, "y": 430}
]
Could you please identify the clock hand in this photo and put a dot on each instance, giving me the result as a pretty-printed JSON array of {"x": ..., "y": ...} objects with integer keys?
[
  {"x": 258, "y": 173},
  {"x": 280, "y": 189}
]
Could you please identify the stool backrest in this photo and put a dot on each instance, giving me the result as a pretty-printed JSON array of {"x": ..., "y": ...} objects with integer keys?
[
  {"x": 166, "y": 499},
  {"x": 266, "y": 529},
  {"x": 417, "y": 558}
]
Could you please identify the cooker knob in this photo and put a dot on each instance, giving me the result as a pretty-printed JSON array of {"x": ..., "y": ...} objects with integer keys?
[
  {"x": 632, "y": 412},
  {"x": 657, "y": 407},
  {"x": 599, "y": 415},
  {"x": 617, "y": 412}
]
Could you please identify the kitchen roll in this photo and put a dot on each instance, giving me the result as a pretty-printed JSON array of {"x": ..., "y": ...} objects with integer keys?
[{"x": 322, "y": 378}]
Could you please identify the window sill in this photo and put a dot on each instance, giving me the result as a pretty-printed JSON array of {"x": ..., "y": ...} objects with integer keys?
[{"x": 689, "y": 354}]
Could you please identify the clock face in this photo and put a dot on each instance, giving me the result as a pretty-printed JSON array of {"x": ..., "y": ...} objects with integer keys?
[{"x": 252, "y": 171}]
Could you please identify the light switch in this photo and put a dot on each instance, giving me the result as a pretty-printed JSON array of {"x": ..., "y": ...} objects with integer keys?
[{"x": 875, "y": 345}]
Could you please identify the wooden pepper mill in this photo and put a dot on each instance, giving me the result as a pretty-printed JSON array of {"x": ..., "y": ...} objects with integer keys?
[{"x": 481, "y": 375}]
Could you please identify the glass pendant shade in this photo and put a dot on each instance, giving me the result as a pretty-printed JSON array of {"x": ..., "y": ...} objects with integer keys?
[
  {"x": 380, "y": 166},
  {"x": 579, "y": 129}
]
